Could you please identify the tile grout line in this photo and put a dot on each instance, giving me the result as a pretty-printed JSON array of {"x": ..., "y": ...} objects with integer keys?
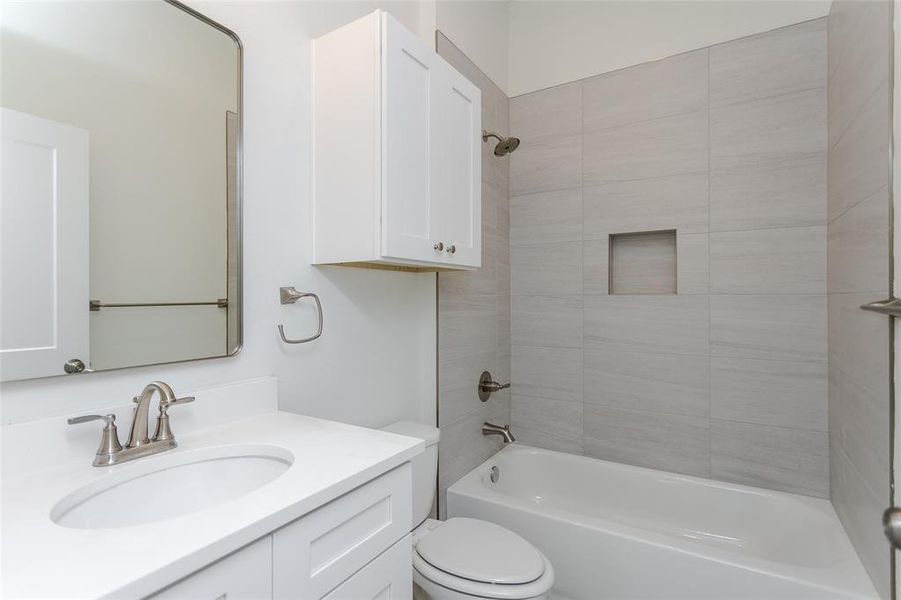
[
  {"x": 853, "y": 120},
  {"x": 582, "y": 132},
  {"x": 707, "y": 107},
  {"x": 532, "y": 244},
  {"x": 851, "y": 207},
  {"x": 695, "y": 416},
  {"x": 613, "y": 347}
]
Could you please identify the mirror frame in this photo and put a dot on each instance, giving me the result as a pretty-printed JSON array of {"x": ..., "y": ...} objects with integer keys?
[{"x": 239, "y": 201}]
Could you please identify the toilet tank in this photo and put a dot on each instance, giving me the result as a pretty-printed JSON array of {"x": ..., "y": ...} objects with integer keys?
[{"x": 425, "y": 466}]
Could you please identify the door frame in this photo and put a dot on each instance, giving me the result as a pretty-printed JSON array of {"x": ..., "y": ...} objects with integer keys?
[{"x": 895, "y": 270}]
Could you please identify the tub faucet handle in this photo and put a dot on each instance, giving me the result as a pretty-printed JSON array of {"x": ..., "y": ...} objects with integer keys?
[{"x": 487, "y": 386}]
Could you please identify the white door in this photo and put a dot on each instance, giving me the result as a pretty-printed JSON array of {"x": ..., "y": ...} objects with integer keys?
[
  {"x": 408, "y": 225},
  {"x": 43, "y": 246},
  {"x": 456, "y": 190}
]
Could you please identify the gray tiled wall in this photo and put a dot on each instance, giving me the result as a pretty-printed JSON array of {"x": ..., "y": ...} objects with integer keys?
[
  {"x": 858, "y": 247},
  {"x": 727, "y": 378},
  {"x": 474, "y": 307}
]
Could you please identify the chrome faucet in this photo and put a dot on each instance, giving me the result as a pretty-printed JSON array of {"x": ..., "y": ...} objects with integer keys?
[
  {"x": 139, "y": 443},
  {"x": 504, "y": 432}
]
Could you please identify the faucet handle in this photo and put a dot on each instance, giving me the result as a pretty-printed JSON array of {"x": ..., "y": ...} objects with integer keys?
[
  {"x": 163, "y": 431},
  {"x": 182, "y": 400},
  {"x": 108, "y": 419},
  {"x": 487, "y": 386},
  {"x": 109, "y": 439}
]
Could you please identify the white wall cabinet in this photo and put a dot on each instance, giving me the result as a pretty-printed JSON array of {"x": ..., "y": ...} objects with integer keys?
[
  {"x": 397, "y": 160},
  {"x": 356, "y": 546}
]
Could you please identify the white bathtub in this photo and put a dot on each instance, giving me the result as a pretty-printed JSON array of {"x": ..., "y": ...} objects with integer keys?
[{"x": 615, "y": 531}]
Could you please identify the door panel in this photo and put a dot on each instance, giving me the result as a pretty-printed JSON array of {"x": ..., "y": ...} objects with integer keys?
[
  {"x": 44, "y": 286},
  {"x": 388, "y": 577},
  {"x": 407, "y": 222},
  {"x": 458, "y": 174},
  {"x": 244, "y": 575}
]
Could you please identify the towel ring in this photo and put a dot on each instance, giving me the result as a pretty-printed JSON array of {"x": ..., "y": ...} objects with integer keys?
[{"x": 289, "y": 295}]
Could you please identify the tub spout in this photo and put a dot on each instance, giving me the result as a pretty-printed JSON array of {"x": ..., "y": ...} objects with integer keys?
[{"x": 504, "y": 432}]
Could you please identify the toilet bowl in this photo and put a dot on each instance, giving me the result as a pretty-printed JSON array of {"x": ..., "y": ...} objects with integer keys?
[{"x": 464, "y": 558}]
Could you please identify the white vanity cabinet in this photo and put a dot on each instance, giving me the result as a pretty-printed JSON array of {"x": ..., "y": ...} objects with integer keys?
[
  {"x": 242, "y": 575},
  {"x": 388, "y": 577},
  {"x": 396, "y": 144},
  {"x": 355, "y": 547},
  {"x": 315, "y": 554}
]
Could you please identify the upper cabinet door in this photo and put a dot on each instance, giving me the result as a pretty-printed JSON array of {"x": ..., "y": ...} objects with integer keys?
[
  {"x": 44, "y": 234},
  {"x": 409, "y": 225},
  {"x": 397, "y": 136},
  {"x": 457, "y": 174}
]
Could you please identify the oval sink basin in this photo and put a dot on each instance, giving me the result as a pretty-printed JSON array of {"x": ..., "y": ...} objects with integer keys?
[{"x": 166, "y": 486}]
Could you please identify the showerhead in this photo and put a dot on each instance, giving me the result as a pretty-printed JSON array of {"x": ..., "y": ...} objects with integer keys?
[{"x": 505, "y": 145}]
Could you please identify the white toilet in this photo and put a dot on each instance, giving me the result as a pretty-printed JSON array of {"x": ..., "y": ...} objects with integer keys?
[{"x": 466, "y": 558}]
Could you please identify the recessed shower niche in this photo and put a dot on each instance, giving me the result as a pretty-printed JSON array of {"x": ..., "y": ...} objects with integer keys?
[{"x": 642, "y": 262}]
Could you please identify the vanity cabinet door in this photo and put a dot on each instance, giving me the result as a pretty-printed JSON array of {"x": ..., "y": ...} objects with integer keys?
[
  {"x": 388, "y": 577},
  {"x": 316, "y": 553},
  {"x": 243, "y": 575}
]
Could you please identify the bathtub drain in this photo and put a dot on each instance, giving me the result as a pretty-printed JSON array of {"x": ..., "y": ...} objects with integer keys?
[{"x": 494, "y": 474}]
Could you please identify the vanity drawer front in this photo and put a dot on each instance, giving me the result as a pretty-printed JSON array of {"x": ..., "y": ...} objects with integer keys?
[
  {"x": 245, "y": 574},
  {"x": 388, "y": 577},
  {"x": 314, "y": 554}
]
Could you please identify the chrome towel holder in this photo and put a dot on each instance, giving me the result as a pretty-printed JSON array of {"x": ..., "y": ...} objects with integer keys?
[{"x": 289, "y": 295}]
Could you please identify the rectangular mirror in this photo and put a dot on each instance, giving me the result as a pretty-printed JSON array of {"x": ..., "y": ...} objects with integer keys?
[{"x": 120, "y": 203}]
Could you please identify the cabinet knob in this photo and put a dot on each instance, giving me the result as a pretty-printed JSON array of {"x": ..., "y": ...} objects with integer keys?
[
  {"x": 438, "y": 246},
  {"x": 451, "y": 249}
]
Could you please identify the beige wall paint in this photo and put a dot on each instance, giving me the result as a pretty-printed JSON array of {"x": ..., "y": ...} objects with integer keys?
[{"x": 481, "y": 30}]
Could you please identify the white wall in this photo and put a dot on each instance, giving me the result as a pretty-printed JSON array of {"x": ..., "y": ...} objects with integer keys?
[
  {"x": 557, "y": 41},
  {"x": 481, "y": 29},
  {"x": 376, "y": 359}
]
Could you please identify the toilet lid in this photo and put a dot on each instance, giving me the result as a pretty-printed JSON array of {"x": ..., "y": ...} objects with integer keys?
[{"x": 481, "y": 551}]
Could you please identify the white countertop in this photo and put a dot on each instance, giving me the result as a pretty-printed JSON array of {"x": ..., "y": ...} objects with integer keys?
[{"x": 43, "y": 559}]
